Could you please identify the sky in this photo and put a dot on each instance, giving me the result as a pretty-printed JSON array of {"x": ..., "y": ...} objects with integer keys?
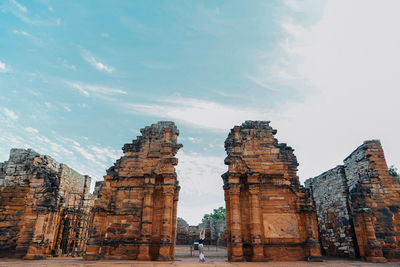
[{"x": 78, "y": 80}]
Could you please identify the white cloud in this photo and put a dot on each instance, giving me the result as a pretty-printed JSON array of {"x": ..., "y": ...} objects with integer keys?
[
  {"x": 200, "y": 113},
  {"x": 20, "y": 32},
  {"x": 31, "y": 130},
  {"x": 51, "y": 147},
  {"x": 19, "y": 6},
  {"x": 22, "y": 12},
  {"x": 95, "y": 63},
  {"x": 291, "y": 4},
  {"x": 84, "y": 153},
  {"x": 70, "y": 66},
  {"x": 193, "y": 140},
  {"x": 86, "y": 88},
  {"x": 260, "y": 82},
  {"x": 10, "y": 114},
  {"x": 3, "y": 67},
  {"x": 105, "y": 154},
  {"x": 66, "y": 107},
  {"x": 66, "y": 139},
  {"x": 48, "y": 105},
  {"x": 200, "y": 179},
  {"x": 351, "y": 58}
]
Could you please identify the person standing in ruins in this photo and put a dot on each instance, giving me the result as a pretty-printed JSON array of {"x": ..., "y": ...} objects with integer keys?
[{"x": 201, "y": 246}]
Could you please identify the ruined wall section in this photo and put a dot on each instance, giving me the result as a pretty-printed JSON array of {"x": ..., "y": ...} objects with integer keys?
[
  {"x": 187, "y": 234},
  {"x": 372, "y": 197},
  {"x": 72, "y": 183},
  {"x": 374, "y": 200},
  {"x": 14, "y": 187},
  {"x": 135, "y": 213},
  {"x": 330, "y": 196},
  {"x": 31, "y": 204},
  {"x": 269, "y": 215}
]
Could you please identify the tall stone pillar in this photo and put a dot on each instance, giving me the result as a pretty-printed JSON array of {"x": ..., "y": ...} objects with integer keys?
[
  {"x": 166, "y": 228},
  {"x": 255, "y": 224},
  {"x": 174, "y": 220},
  {"x": 236, "y": 229},
  {"x": 228, "y": 220},
  {"x": 147, "y": 219},
  {"x": 373, "y": 247},
  {"x": 313, "y": 247}
]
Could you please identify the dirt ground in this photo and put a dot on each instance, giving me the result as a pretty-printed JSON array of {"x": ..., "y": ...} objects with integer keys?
[{"x": 184, "y": 257}]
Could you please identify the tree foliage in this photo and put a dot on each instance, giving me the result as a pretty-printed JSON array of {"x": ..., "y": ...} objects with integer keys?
[
  {"x": 394, "y": 172},
  {"x": 218, "y": 214}
]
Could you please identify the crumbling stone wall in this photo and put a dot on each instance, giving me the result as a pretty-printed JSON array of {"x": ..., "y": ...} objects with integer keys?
[
  {"x": 33, "y": 190},
  {"x": 330, "y": 194},
  {"x": 135, "y": 213},
  {"x": 269, "y": 216},
  {"x": 187, "y": 234},
  {"x": 214, "y": 228},
  {"x": 372, "y": 204},
  {"x": 182, "y": 232}
]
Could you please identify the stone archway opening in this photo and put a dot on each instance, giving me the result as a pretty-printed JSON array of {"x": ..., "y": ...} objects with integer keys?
[{"x": 269, "y": 215}]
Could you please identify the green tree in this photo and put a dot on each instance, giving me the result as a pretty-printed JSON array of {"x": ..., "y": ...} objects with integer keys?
[
  {"x": 218, "y": 214},
  {"x": 393, "y": 171}
]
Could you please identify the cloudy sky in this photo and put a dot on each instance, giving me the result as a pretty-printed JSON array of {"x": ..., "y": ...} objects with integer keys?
[{"x": 78, "y": 80}]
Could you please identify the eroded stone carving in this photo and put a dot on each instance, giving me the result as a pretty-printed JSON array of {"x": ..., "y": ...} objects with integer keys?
[
  {"x": 269, "y": 216},
  {"x": 135, "y": 213}
]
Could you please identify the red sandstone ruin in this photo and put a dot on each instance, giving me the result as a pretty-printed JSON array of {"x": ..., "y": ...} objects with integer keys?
[
  {"x": 136, "y": 211},
  {"x": 269, "y": 215},
  {"x": 44, "y": 207},
  {"x": 358, "y": 207}
]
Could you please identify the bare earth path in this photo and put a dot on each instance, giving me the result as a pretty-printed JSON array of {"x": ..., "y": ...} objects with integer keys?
[{"x": 214, "y": 257}]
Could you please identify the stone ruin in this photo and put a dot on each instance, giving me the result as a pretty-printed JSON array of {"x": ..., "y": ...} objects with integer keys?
[
  {"x": 357, "y": 207},
  {"x": 136, "y": 209},
  {"x": 187, "y": 234},
  {"x": 269, "y": 215},
  {"x": 42, "y": 207},
  {"x": 46, "y": 208}
]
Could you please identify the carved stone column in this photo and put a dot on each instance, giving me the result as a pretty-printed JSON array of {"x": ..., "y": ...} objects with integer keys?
[
  {"x": 255, "y": 224},
  {"x": 166, "y": 228},
  {"x": 147, "y": 218},
  {"x": 228, "y": 220},
  {"x": 313, "y": 247},
  {"x": 236, "y": 229},
  {"x": 373, "y": 246},
  {"x": 174, "y": 221}
]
